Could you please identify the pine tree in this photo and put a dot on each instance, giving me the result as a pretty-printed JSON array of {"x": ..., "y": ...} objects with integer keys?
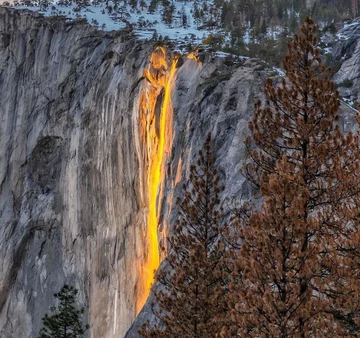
[
  {"x": 65, "y": 319},
  {"x": 142, "y": 4},
  {"x": 133, "y": 3},
  {"x": 189, "y": 299},
  {"x": 184, "y": 18},
  {"x": 152, "y": 6},
  {"x": 354, "y": 8},
  {"x": 44, "y": 4},
  {"x": 168, "y": 12},
  {"x": 297, "y": 270}
]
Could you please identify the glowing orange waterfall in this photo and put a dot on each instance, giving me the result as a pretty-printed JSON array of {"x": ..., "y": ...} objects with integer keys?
[{"x": 157, "y": 135}]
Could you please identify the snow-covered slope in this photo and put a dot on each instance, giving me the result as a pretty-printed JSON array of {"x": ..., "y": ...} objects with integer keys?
[{"x": 146, "y": 23}]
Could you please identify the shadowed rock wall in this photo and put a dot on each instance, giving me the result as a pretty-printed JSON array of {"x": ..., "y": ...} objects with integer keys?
[
  {"x": 73, "y": 162},
  {"x": 70, "y": 200}
]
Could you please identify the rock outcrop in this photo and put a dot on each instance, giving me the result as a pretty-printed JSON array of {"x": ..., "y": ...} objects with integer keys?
[
  {"x": 80, "y": 114},
  {"x": 346, "y": 52},
  {"x": 70, "y": 200},
  {"x": 74, "y": 161}
]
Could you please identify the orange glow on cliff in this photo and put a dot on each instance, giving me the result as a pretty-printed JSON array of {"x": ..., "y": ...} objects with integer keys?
[
  {"x": 192, "y": 56},
  {"x": 157, "y": 135}
]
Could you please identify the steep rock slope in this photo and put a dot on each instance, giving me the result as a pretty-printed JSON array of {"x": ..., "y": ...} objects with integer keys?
[
  {"x": 347, "y": 53},
  {"x": 81, "y": 114},
  {"x": 70, "y": 202},
  {"x": 226, "y": 111},
  {"x": 75, "y": 155}
]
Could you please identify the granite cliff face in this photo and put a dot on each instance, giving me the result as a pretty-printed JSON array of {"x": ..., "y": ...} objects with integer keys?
[
  {"x": 97, "y": 134},
  {"x": 71, "y": 206},
  {"x": 80, "y": 129},
  {"x": 347, "y": 53}
]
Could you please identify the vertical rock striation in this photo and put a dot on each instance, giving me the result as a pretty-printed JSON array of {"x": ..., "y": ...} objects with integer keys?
[
  {"x": 84, "y": 117},
  {"x": 208, "y": 96},
  {"x": 71, "y": 203}
]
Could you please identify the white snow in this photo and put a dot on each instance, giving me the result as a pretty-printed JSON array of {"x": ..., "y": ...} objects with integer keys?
[
  {"x": 279, "y": 71},
  {"x": 143, "y": 23}
]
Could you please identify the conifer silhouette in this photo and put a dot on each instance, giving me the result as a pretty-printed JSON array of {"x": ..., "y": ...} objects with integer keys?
[
  {"x": 65, "y": 319},
  {"x": 298, "y": 266}
]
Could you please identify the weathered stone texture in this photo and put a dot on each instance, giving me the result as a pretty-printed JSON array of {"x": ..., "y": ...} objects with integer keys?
[{"x": 73, "y": 162}]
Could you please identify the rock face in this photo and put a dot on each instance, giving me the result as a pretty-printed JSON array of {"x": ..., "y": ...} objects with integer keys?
[
  {"x": 70, "y": 200},
  {"x": 80, "y": 126},
  {"x": 208, "y": 97},
  {"x": 75, "y": 158},
  {"x": 347, "y": 53}
]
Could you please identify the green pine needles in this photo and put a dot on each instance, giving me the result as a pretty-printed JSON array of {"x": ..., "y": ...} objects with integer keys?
[{"x": 65, "y": 319}]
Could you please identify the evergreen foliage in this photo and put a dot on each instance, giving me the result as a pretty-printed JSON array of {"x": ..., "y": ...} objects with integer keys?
[
  {"x": 297, "y": 266},
  {"x": 254, "y": 28},
  {"x": 65, "y": 319},
  {"x": 191, "y": 287}
]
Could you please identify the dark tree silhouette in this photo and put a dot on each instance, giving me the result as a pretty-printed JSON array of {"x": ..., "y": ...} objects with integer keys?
[{"x": 65, "y": 319}]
